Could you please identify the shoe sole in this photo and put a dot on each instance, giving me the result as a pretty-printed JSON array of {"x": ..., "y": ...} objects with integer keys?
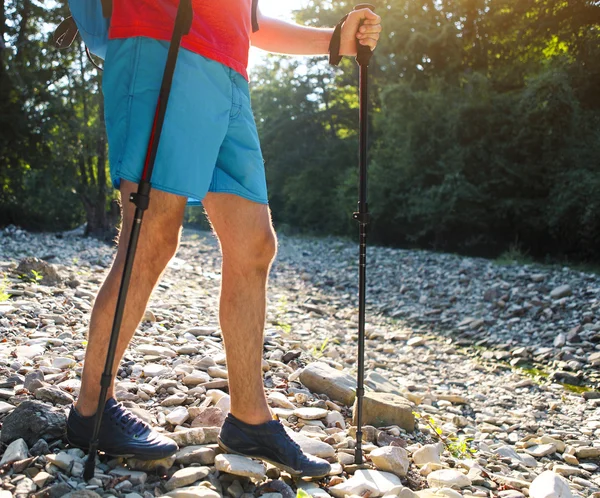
[
  {"x": 293, "y": 472},
  {"x": 115, "y": 455}
]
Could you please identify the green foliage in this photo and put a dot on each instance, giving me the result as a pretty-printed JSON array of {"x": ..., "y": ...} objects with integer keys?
[
  {"x": 4, "y": 296},
  {"x": 458, "y": 446},
  {"x": 34, "y": 277},
  {"x": 485, "y": 130}
]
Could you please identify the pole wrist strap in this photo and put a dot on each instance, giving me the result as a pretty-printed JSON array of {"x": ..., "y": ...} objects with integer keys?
[{"x": 334, "y": 43}]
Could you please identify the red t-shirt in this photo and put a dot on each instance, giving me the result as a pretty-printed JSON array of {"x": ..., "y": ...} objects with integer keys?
[{"x": 220, "y": 29}]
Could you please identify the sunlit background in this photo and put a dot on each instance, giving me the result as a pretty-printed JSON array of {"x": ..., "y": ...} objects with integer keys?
[{"x": 276, "y": 8}]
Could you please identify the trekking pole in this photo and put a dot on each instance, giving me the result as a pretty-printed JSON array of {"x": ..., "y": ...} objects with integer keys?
[
  {"x": 141, "y": 200},
  {"x": 363, "y": 56}
]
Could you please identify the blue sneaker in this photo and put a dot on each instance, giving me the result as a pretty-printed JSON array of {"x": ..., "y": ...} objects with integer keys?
[
  {"x": 122, "y": 434},
  {"x": 271, "y": 443}
]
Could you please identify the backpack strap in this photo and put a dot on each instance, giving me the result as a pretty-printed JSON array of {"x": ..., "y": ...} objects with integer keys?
[
  {"x": 65, "y": 33},
  {"x": 106, "y": 8},
  {"x": 255, "y": 26}
]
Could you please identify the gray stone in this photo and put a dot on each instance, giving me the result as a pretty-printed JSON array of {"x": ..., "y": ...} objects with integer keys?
[
  {"x": 195, "y": 436},
  {"x": 561, "y": 291},
  {"x": 82, "y": 493},
  {"x": 29, "y": 265},
  {"x": 384, "y": 409},
  {"x": 240, "y": 466},
  {"x": 186, "y": 476},
  {"x": 194, "y": 492},
  {"x": 54, "y": 395},
  {"x": 195, "y": 454},
  {"x": 33, "y": 379},
  {"x": 17, "y": 450},
  {"x": 32, "y": 420},
  {"x": 322, "y": 379},
  {"x": 134, "y": 476}
]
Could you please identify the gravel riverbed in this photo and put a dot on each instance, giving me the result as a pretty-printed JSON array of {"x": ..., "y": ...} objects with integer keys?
[{"x": 482, "y": 378}]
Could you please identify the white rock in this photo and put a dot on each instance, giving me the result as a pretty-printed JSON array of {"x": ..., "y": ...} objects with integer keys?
[
  {"x": 40, "y": 479},
  {"x": 280, "y": 400},
  {"x": 30, "y": 351},
  {"x": 62, "y": 363},
  {"x": 194, "y": 492},
  {"x": 63, "y": 460},
  {"x": 17, "y": 450},
  {"x": 186, "y": 476},
  {"x": 448, "y": 478},
  {"x": 174, "y": 400},
  {"x": 224, "y": 404},
  {"x": 430, "y": 453},
  {"x": 150, "y": 349},
  {"x": 240, "y": 466},
  {"x": 195, "y": 378},
  {"x": 375, "y": 482},
  {"x": 549, "y": 485},
  {"x": 540, "y": 450},
  {"x": 391, "y": 459},
  {"x": 155, "y": 370},
  {"x": 312, "y": 446},
  {"x": 438, "y": 493},
  {"x": 178, "y": 416},
  {"x": 5, "y": 407},
  {"x": 310, "y": 413},
  {"x": 335, "y": 419}
]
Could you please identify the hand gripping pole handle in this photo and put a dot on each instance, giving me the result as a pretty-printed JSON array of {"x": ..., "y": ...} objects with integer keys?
[{"x": 363, "y": 52}]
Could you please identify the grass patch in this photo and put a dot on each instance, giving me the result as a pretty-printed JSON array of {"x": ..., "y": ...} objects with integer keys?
[{"x": 514, "y": 255}]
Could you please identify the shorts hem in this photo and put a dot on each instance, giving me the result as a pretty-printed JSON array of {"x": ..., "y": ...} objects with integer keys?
[
  {"x": 169, "y": 190},
  {"x": 192, "y": 199},
  {"x": 252, "y": 198}
]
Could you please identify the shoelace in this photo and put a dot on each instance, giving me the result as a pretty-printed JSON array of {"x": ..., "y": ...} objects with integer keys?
[
  {"x": 132, "y": 424},
  {"x": 281, "y": 429}
]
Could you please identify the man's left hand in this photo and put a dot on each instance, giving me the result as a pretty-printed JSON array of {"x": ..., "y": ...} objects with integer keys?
[{"x": 366, "y": 34}]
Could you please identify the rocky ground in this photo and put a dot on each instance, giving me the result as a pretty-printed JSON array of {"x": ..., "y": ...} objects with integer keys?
[{"x": 482, "y": 378}]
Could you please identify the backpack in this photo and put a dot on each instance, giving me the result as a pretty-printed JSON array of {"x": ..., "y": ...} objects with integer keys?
[{"x": 91, "y": 18}]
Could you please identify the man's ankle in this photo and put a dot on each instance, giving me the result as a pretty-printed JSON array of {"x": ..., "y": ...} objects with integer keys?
[
  {"x": 88, "y": 406},
  {"x": 253, "y": 417}
]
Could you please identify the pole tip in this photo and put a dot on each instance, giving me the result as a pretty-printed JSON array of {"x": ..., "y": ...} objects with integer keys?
[{"x": 90, "y": 466}]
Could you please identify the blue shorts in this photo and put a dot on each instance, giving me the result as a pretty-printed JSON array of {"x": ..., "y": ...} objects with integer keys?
[{"x": 209, "y": 141}]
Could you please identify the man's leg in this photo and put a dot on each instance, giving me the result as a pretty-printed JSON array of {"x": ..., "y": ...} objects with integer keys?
[
  {"x": 157, "y": 244},
  {"x": 248, "y": 245}
]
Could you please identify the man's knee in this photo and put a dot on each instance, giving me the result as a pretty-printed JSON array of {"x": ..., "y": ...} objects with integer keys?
[
  {"x": 255, "y": 252},
  {"x": 157, "y": 244}
]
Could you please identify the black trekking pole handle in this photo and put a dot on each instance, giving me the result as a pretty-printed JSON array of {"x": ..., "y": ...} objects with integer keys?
[
  {"x": 363, "y": 52},
  {"x": 141, "y": 200}
]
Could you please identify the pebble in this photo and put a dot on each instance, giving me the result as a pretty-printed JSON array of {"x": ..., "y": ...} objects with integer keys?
[
  {"x": 240, "y": 466},
  {"x": 186, "y": 476},
  {"x": 17, "y": 450},
  {"x": 448, "y": 478}
]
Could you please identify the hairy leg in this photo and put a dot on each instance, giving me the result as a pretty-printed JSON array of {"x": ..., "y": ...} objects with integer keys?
[
  {"x": 248, "y": 245},
  {"x": 159, "y": 238}
]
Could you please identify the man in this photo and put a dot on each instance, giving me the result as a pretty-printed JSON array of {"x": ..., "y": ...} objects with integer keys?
[{"x": 209, "y": 152}]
